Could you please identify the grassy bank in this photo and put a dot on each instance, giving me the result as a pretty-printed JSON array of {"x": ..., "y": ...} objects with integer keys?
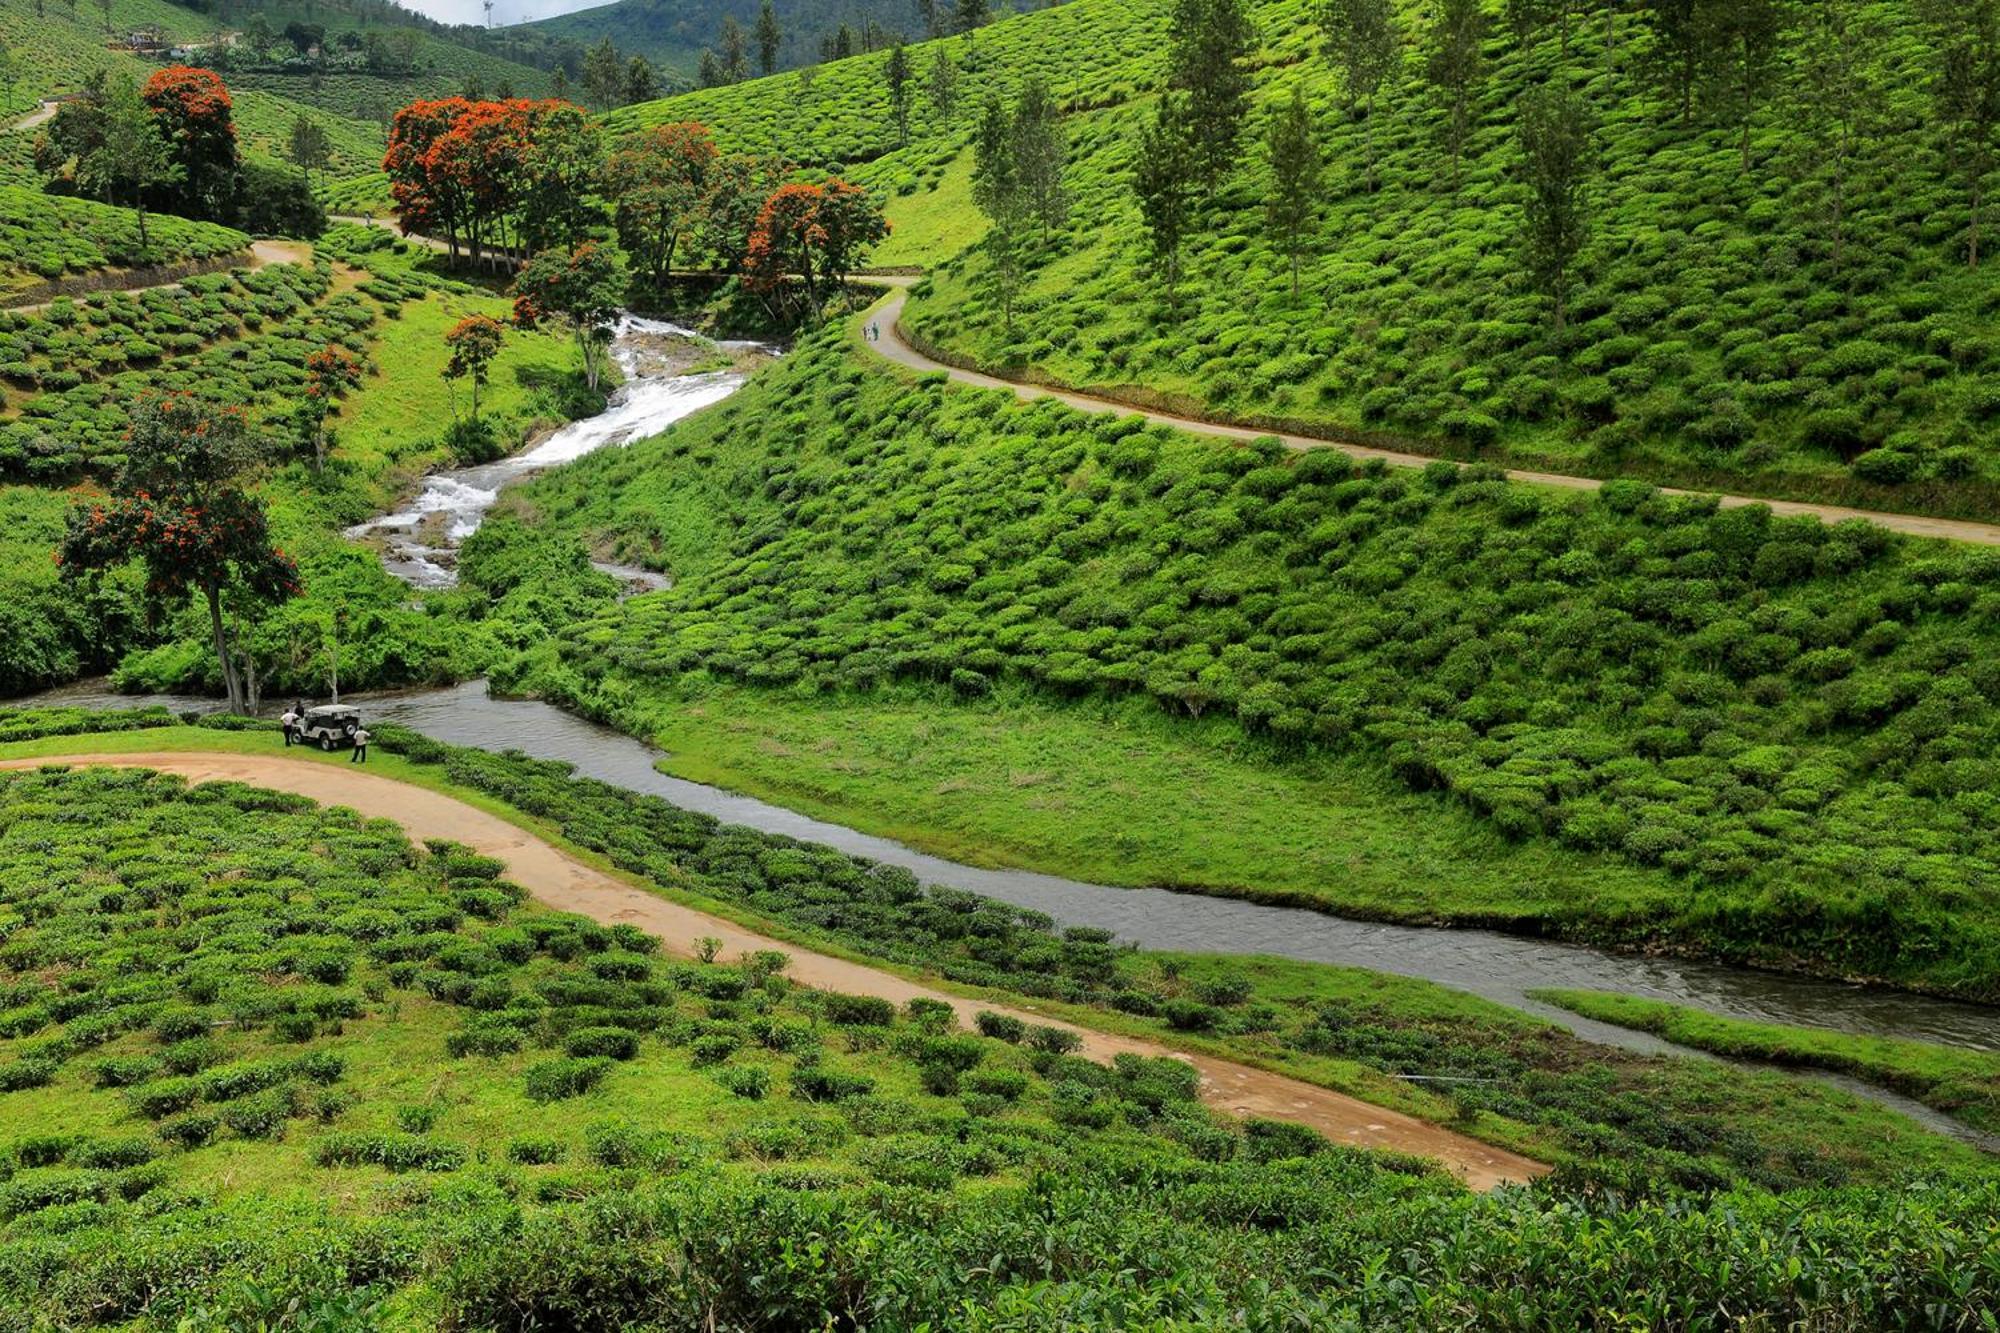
[{"x": 1957, "y": 1081}]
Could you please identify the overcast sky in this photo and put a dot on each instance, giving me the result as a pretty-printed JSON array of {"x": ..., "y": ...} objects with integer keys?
[{"x": 504, "y": 11}]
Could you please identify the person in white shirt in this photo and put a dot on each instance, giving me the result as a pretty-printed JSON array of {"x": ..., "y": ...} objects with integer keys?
[
  {"x": 361, "y": 738},
  {"x": 289, "y": 720}
]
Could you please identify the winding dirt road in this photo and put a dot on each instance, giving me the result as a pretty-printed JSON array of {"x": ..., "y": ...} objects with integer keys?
[
  {"x": 887, "y": 317},
  {"x": 563, "y": 882}
]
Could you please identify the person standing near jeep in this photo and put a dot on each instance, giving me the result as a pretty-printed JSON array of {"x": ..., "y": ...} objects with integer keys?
[
  {"x": 361, "y": 738},
  {"x": 289, "y": 720}
]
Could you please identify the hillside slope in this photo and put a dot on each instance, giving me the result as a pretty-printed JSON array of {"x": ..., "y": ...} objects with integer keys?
[
  {"x": 1718, "y": 731},
  {"x": 673, "y": 33},
  {"x": 1713, "y": 341}
]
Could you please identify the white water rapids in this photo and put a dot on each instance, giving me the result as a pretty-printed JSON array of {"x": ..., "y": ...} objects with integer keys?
[{"x": 420, "y": 541}]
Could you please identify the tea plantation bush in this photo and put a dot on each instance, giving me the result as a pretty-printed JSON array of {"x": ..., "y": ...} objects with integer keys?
[
  {"x": 1788, "y": 721},
  {"x": 45, "y": 236},
  {"x": 239, "y": 338}
]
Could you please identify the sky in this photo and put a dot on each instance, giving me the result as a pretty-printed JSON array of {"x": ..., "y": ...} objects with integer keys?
[{"x": 504, "y": 11}]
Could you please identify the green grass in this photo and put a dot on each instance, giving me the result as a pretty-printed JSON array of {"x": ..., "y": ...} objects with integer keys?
[
  {"x": 1961, "y": 1082},
  {"x": 1122, "y": 795},
  {"x": 264, "y": 121}
]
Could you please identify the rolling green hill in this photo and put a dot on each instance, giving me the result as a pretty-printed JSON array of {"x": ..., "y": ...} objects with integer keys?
[
  {"x": 1712, "y": 339},
  {"x": 1668, "y": 725},
  {"x": 673, "y": 33}
]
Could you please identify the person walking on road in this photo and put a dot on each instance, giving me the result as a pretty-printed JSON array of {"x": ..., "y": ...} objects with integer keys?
[
  {"x": 361, "y": 739},
  {"x": 289, "y": 720}
]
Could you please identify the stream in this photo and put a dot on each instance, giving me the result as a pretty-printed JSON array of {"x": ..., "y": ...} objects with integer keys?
[{"x": 419, "y": 544}]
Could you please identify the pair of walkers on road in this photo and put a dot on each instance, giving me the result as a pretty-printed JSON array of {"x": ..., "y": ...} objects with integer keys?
[{"x": 331, "y": 725}]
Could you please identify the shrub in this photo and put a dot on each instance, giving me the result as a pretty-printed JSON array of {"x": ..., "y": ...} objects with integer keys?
[
  {"x": 395, "y": 1152},
  {"x": 617, "y": 1043},
  {"x": 533, "y": 1151},
  {"x": 857, "y": 1010},
  {"x": 748, "y": 1081},
  {"x": 816, "y": 1083},
  {"x": 1000, "y": 1027},
  {"x": 1054, "y": 1041},
  {"x": 554, "y": 1080}
]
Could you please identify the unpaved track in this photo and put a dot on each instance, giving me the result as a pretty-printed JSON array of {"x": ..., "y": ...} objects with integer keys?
[
  {"x": 888, "y": 317},
  {"x": 41, "y": 115},
  {"x": 560, "y": 881},
  {"x": 262, "y": 255}
]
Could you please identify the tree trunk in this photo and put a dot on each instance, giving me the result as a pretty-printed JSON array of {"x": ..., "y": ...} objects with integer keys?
[
  {"x": 230, "y": 683},
  {"x": 1978, "y": 202}
]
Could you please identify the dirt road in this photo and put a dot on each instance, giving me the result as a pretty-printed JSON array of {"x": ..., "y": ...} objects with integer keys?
[
  {"x": 560, "y": 881},
  {"x": 887, "y": 316},
  {"x": 41, "y": 115},
  {"x": 262, "y": 255}
]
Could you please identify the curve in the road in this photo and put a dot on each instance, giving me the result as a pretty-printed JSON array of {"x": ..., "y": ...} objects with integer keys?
[
  {"x": 563, "y": 882},
  {"x": 887, "y": 315},
  {"x": 262, "y": 255}
]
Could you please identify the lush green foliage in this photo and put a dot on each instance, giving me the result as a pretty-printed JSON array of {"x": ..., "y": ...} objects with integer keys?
[
  {"x": 269, "y": 1015},
  {"x": 44, "y": 238},
  {"x": 1788, "y": 718},
  {"x": 1714, "y": 334}
]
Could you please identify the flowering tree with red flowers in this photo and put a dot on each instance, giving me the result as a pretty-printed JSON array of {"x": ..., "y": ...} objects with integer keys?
[
  {"x": 181, "y": 506},
  {"x": 815, "y": 233},
  {"x": 192, "y": 108},
  {"x": 581, "y": 287},
  {"x": 474, "y": 342},
  {"x": 330, "y": 373},
  {"x": 490, "y": 172},
  {"x": 429, "y": 199},
  {"x": 661, "y": 180}
]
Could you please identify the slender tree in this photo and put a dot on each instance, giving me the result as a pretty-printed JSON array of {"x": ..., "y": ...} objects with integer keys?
[
  {"x": 1833, "y": 109},
  {"x": 474, "y": 342},
  {"x": 1454, "y": 66},
  {"x": 641, "y": 84},
  {"x": 1163, "y": 177},
  {"x": 1293, "y": 203},
  {"x": 132, "y": 158},
  {"x": 1362, "y": 39},
  {"x": 104, "y": 6},
  {"x": 330, "y": 373},
  {"x": 735, "y": 54},
  {"x": 308, "y": 146},
  {"x": 181, "y": 506},
  {"x": 193, "y": 111},
  {"x": 769, "y": 38},
  {"x": 1746, "y": 45},
  {"x": 1207, "y": 43},
  {"x": 1040, "y": 153},
  {"x": 603, "y": 74},
  {"x": 896, "y": 74},
  {"x": 927, "y": 12},
  {"x": 1685, "y": 34},
  {"x": 942, "y": 85},
  {"x": 582, "y": 288},
  {"x": 1966, "y": 92},
  {"x": 998, "y": 191},
  {"x": 708, "y": 71},
  {"x": 970, "y": 14},
  {"x": 1555, "y": 166}
]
